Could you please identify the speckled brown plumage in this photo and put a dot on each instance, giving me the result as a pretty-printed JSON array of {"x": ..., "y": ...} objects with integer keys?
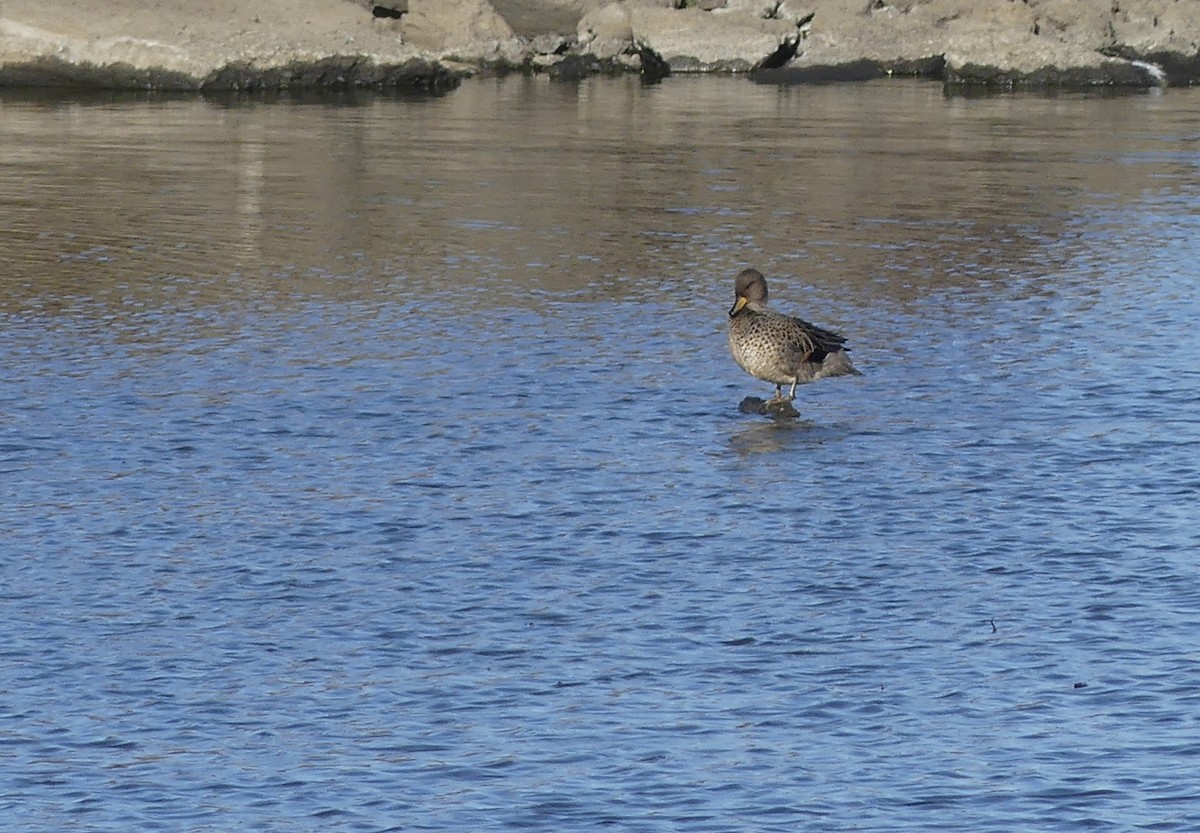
[{"x": 778, "y": 348}]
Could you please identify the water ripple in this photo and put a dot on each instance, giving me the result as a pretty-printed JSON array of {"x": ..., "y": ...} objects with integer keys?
[{"x": 295, "y": 541}]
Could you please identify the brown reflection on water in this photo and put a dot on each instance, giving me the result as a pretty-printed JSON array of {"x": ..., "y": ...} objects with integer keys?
[{"x": 607, "y": 189}]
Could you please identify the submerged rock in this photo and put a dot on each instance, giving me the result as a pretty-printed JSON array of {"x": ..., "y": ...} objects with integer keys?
[
  {"x": 864, "y": 69},
  {"x": 775, "y": 408},
  {"x": 575, "y": 67},
  {"x": 336, "y": 73}
]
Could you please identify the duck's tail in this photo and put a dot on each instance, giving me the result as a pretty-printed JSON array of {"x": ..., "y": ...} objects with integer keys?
[{"x": 837, "y": 363}]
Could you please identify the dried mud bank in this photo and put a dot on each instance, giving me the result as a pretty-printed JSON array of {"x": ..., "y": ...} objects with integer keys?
[{"x": 430, "y": 45}]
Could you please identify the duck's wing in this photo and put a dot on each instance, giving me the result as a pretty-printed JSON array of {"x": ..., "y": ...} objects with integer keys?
[{"x": 812, "y": 343}]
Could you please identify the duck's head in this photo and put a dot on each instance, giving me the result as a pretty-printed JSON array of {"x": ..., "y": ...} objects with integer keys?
[{"x": 749, "y": 288}]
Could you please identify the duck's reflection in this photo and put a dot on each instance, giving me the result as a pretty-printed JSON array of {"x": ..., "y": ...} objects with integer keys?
[{"x": 766, "y": 435}]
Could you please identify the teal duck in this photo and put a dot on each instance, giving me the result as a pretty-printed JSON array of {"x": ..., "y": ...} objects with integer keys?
[{"x": 778, "y": 348}]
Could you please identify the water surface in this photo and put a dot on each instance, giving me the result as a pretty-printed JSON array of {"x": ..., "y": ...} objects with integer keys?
[{"x": 374, "y": 464}]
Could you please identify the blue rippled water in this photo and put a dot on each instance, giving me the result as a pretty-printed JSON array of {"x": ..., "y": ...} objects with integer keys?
[{"x": 305, "y": 528}]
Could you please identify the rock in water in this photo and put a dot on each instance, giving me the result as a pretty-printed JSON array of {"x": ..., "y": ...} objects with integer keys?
[{"x": 774, "y": 408}]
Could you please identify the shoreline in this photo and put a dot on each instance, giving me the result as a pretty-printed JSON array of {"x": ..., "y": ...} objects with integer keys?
[{"x": 430, "y": 46}]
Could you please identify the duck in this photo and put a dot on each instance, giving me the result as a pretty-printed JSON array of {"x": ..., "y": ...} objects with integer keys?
[{"x": 779, "y": 348}]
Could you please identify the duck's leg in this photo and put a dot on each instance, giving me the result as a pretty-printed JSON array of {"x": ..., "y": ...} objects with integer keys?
[
  {"x": 792, "y": 394},
  {"x": 778, "y": 397}
]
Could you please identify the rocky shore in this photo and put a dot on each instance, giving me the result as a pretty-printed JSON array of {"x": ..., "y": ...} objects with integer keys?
[{"x": 430, "y": 45}]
